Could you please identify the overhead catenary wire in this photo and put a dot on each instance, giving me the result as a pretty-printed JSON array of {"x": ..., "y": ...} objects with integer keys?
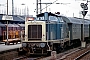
[
  {"x": 55, "y": 2},
  {"x": 49, "y": 5},
  {"x": 60, "y": 3}
]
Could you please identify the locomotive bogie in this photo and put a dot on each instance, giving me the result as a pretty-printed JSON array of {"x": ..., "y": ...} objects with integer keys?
[{"x": 35, "y": 47}]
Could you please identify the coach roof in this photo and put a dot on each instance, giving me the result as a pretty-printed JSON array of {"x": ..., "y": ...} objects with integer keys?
[{"x": 72, "y": 20}]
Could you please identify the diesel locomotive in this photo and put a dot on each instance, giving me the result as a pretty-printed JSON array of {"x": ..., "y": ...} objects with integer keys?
[{"x": 51, "y": 32}]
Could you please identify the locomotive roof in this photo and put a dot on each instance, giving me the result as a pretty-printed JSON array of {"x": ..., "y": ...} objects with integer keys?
[{"x": 49, "y": 14}]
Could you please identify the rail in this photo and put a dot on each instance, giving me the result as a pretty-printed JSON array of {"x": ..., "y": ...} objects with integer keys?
[
  {"x": 68, "y": 54},
  {"x": 77, "y": 58}
]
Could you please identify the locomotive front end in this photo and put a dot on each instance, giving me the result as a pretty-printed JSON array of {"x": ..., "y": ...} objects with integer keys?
[{"x": 35, "y": 37}]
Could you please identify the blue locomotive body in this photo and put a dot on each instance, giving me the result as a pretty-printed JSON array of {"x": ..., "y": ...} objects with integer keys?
[{"x": 53, "y": 31}]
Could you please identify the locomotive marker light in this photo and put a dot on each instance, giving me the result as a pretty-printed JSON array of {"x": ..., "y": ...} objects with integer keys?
[{"x": 84, "y": 12}]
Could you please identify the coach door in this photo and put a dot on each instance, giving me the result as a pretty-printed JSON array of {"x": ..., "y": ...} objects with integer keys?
[
  {"x": 23, "y": 34},
  {"x": 4, "y": 35}
]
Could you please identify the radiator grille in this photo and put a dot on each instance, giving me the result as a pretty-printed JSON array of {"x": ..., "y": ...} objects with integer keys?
[{"x": 34, "y": 32}]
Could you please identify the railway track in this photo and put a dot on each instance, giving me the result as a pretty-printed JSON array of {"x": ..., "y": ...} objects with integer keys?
[
  {"x": 61, "y": 55},
  {"x": 8, "y": 55},
  {"x": 13, "y": 55},
  {"x": 24, "y": 58},
  {"x": 86, "y": 57},
  {"x": 83, "y": 56},
  {"x": 72, "y": 54},
  {"x": 75, "y": 55},
  {"x": 28, "y": 58}
]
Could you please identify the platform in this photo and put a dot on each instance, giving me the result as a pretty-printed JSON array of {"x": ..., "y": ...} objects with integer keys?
[
  {"x": 4, "y": 47},
  {"x": 16, "y": 40}
]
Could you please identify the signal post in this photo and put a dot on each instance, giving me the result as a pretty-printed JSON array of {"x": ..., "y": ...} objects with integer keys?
[{"x": 84, "y": 12}]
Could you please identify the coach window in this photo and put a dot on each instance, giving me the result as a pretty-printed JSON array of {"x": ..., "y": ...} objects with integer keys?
[
  {"x": 4, "y": 33},
  {"x": 16, "y": 34}
]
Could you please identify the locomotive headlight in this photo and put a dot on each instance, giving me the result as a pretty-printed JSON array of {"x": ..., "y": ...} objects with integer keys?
[
  {"x": 42, "y": 45},
  {"x": 24, "y": 44}
]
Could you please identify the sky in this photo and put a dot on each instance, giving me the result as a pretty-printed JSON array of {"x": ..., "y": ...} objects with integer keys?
[{"x": 70, "y": 10}]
